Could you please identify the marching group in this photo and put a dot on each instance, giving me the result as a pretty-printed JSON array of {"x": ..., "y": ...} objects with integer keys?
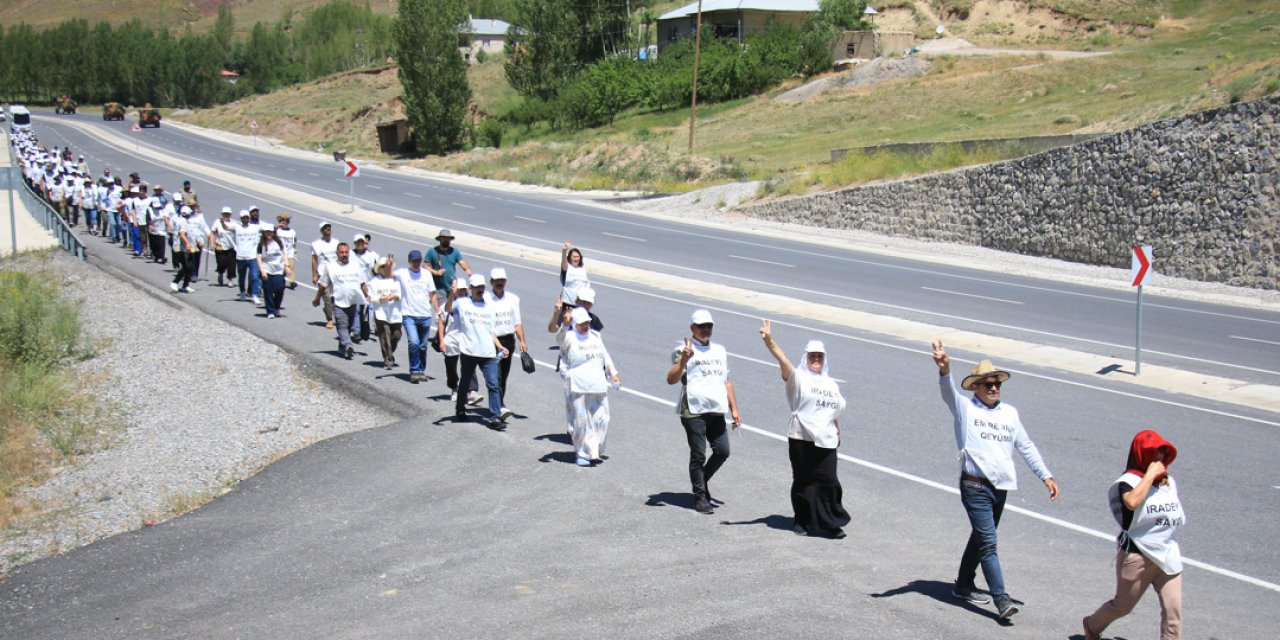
[{"x": 476, "y": 324}]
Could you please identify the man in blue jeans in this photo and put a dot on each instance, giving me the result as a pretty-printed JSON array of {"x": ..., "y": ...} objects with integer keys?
[
  {"x": 480, "y": 347},
  {"x": 987, "y": 431},
  {"x": 245, "y": 239},
  {"x": 419, "y": 306}
]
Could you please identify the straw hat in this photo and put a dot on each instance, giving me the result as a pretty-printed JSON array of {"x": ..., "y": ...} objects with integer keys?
[{"x": 982, "y": 370}]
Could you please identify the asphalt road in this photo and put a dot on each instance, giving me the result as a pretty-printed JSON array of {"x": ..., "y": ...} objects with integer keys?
[{"x": 427, "y": 528}]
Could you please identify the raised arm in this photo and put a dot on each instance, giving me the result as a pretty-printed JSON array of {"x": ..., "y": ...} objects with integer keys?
[
  {"x": 677, "y": 368},
  {"x": 784, "y": 365},
  {"x": 564, "y": 256}
]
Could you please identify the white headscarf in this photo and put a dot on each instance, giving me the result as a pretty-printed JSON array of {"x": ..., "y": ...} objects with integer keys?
[{"x": 813, "y": 346}]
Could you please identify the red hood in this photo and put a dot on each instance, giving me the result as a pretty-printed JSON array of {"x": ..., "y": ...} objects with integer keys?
[{"x": 1143, "y": 452}]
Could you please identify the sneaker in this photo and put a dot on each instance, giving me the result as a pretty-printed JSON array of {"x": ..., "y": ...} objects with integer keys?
[
  {"x": 257, "y": 301},
  {"x": 584, "y": 462},
  {"x": 271, "y": 316},
  {"x": 293, "y": 285},
  {"x": 504, "y": 414},
  {"x": 1089, "y": 633},
  {"x": 800, "y": 531},
  {"x": 241, "y": 297},
  {"x": 703, "y": 505},
  {"x": 474, "y": 398},
  {"x": 173, "y": 286},
  {"x": 188, "y": 289},
  {"x": 1004, "y": 604},
  {"x": 415, "y": 377},
  {"x": 350, "y": 353},
  {"x": 837, "y": 534},
  {"x": 970, "y": 594}
]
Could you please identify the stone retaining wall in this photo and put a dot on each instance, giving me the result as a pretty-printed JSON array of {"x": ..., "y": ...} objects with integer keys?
[{"x": 1201, "y": 189}]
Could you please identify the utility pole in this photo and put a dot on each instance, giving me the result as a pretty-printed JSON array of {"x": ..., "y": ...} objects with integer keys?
[{"x": 693, "y": 106}]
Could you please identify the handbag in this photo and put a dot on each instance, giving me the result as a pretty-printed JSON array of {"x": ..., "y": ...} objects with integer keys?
[{"x": 526, "y": 362}]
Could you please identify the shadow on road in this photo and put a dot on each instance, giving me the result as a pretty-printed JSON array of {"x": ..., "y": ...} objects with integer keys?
[
  {"x": 940, "y": 591},
  {"x": 558, "y": 438},
  {"x": 670, "y": 499},
  {"x": 775, "y": 521}
]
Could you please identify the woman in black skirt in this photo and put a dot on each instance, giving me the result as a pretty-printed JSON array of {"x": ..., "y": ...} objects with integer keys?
[{"x": 813, "y": 433}]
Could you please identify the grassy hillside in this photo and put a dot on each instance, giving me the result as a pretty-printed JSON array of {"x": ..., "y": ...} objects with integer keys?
[{"x": 1165, "y": 58}]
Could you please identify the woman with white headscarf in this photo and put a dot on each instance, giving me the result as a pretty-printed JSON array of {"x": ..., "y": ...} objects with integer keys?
[
  {"x": 587, "y": 371},
  {"x": 813, "y": 433}
]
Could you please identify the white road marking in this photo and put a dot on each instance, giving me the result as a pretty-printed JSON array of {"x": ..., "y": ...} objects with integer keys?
[
  {"x": 619, "y": 235},
  {"x": 459, "y": 204},
  {"x": 271, "y": 165},
  {"x": 412, "y": 195},
  {"x": 953, "y": 490},
  {"x": 312, "y": 173},
  {"x": 531, "y": 219},
  {"x": 776, "y": 264},
  {"x": 1256, "y": 340},
  {"x": 373, "y": 186},
  {"x": 970, "y": 295},
  {"x": 291, "y": 170}
]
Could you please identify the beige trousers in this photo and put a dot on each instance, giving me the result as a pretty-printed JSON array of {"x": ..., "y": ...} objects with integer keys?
[{"x": 1134, "y": 573}]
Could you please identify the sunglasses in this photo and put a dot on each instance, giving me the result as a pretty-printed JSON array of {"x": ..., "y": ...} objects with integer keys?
[
  {"x": 988, "y": 385},
  {"x": 706, "y": 326}
]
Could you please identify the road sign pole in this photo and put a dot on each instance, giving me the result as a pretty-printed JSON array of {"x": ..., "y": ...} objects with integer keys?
[
  {"x": 13, "y": 213},
  {"x": 352, "y": 182},
  {"x": 1137, "y": 349}
]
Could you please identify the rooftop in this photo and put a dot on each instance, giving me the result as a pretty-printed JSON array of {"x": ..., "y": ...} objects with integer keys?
[{"x": 803, "y": 6}]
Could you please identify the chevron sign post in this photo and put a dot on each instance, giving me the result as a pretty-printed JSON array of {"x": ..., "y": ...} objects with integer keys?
[{"x": 1139, "y": 271}]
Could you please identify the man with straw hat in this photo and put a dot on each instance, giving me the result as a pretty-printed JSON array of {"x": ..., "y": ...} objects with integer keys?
[{"x": 987, "y": 431}]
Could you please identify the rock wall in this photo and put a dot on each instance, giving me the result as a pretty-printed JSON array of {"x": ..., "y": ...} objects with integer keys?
[{"x": 1201, "y": 189}]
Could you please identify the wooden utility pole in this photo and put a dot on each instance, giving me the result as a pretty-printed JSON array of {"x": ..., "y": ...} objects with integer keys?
[{"x": 693, "y": 106}]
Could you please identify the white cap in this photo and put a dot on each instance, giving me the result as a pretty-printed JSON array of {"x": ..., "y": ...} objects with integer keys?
[
  {"x": 587, "y": 294},
  {"x": 323, "y": 224},
  {"x": 701, "y": 316},
  {"x": 267, "y": 227},
  {"x": 244, "y": 213},
  {"x": 460, "y": 283},
  {"x": 185, "y": 210},
  {"x": 226, "y": 209},
  {"x": 815, "y": 346},
  {"x": 580, "y": 315},
  {"x": 359, "y": 238},
  {"x": 477, "y": 280},
  {"x": 177, "y": 197},
  {"x": 498, "y": 273}
]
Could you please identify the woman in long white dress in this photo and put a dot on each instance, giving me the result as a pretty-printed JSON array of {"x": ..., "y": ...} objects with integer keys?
[{"x": 587, "y": 371}]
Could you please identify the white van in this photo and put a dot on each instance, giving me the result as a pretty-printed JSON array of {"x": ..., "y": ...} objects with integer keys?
[{"x": 20, "y": 118}]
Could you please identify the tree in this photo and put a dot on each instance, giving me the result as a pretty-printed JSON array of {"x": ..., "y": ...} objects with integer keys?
[
  {"x": 844, "y": 15},
  {"x": 432, "y": 72},
  {"x": 224, "y": 28},
  {"x": 552, "y": 41}
]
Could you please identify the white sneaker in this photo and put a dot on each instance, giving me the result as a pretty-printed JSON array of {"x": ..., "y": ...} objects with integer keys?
[
  {"x": 271, "y": 316},
  {"x": 257, "y": 301},
  {"x": 474, "y": 398},
  {"x": 173, "y": 286},
  {"x": 188, "y": 289},
  {"x": 504, "y": 413}
]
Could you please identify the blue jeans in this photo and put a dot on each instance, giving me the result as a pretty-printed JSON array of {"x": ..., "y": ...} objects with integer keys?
[
  {"x": 135, "y": 236},
  {"x": 417, "y": 329},
  {"x": 273, "y": 288},
  {"x": 488, "y": 367},
  {"x": 249, "y": 268},
  {"x": 91, "y": 219},
  {"x": 984, "y": 505}
]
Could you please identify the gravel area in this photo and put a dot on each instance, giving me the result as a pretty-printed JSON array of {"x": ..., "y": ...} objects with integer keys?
[{"x": 199, "y": 405}]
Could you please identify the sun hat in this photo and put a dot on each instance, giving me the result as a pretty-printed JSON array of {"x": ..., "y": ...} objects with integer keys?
[
  {"x": 381, "y": 262},
  {"x": 701, "y": 316},
  {"x": 587, "y": 294},
  {"x": 498, "y": 273},
  {"x": 580, "y": 315},
  {"x": 477, "y": 280},
  {"x": 284, "y": 216},
  {"x": 983, "y": 369},
  {"x": 444, "y": 233}
]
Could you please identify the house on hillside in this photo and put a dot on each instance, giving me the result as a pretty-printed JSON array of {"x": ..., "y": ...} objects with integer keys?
[
  {"x": 735, "y": 19},
  {"x": 230, "y": 76},
  {"x": 482, "y": 34}
]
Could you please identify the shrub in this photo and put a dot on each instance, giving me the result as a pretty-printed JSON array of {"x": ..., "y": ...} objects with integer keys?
[{"x": 490, "y": 133}]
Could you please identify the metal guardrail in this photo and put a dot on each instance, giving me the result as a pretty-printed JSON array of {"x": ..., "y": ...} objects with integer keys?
[{"x": 41, "y": 210}]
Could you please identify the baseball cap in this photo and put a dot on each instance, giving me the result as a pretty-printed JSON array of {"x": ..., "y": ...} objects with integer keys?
[
  {"x": 244, "y": 213},
  {"x": 325, "y": 223},
  {"x": 177, "y": 197},
  {"x": 587, "y": 294},
  {"x": 226, "y": 209},
  {"x": 815, "y": 346},
  {"x": 477, "y": 280},
  {"x": 254, "y": 207},
  {"x": 185, "y": 210},
  {"x": 580, "y": 315},
  {"x": 701, "y": 316},
  {"x": 460, "y": 283},
  {"x": 267, "y": 227},
  {"x": 498, "y": 273},
  {"x": 358, "y": 238},
  {"x": 415, "y": 255}
]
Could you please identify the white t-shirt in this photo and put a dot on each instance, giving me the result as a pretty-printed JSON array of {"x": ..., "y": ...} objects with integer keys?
[
  {"x": 475, "y": 328},
  {"x": 506, "y": 312},
  {"x": 224, "y": 236},
  {"x": 324, "y": 251},
  {"x": 342, "y": 281},
  {"x": 245, "y": 238},
  {"x": 987, "y": 437},
  {"x": 816, "y": 404},
  {"x": 197, "y": 230},
  {"x": 575, "y": 280},
  {"x": 367, "y": 259},
  {"x": 289, "y": 237},
  {"x": 706, "y": 375},
  {"x": 156, "y": 222},
  {"x": 388, "y": 311},
  {"x": 585, "y": 364},
  {"x": 1154, "y": 526},
  {"x": 415, "y": 292},
  {"x": 272, "y": 259}
]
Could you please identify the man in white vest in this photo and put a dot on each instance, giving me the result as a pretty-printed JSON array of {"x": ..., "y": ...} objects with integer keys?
[
  {"x": 341, "y": 281},
  {"x": 706, "y": 396},
  {"x": 479, "y": 346},
  {"x": 987, "y": 432}
]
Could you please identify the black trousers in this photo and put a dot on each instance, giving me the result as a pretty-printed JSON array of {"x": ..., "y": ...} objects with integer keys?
[
  {"x": 815, "y": 488},
  {"x": 504, "y": 365},
  {"x": 157, "y": 243},
  {"x": 225, "y": 259},
  {"x": 700, "y": 430},
  {"x": 186, "y": 266}
]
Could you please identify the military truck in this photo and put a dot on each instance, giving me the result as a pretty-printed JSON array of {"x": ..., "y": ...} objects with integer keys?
[
  {"x": 65, "y": 105},
  {"x": 148, "y": 116},
  {"x": 113, "y": 111}
]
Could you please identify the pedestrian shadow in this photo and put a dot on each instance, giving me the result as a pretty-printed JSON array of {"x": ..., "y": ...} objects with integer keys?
[
  {"x": 670, "y": 499},
  {"x": 316, "y": 323},
  {"x": 567, "y": 457},
  {"x": 940, "y": 591},
  {"x": 558, "y": 438},
  {"x": 775, "y": 521}
]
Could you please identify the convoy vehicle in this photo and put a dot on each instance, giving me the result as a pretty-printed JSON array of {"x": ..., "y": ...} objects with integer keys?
[
  {"x": 113, "y": 111},
  {"x": 65, "y": 105},
  {"x": 20, "y": 118},
  {"x": 149, "y": 116}
]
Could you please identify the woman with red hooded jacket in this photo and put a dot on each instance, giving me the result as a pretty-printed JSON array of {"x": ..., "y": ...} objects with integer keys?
[{"x": 1145, "y": 504}]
